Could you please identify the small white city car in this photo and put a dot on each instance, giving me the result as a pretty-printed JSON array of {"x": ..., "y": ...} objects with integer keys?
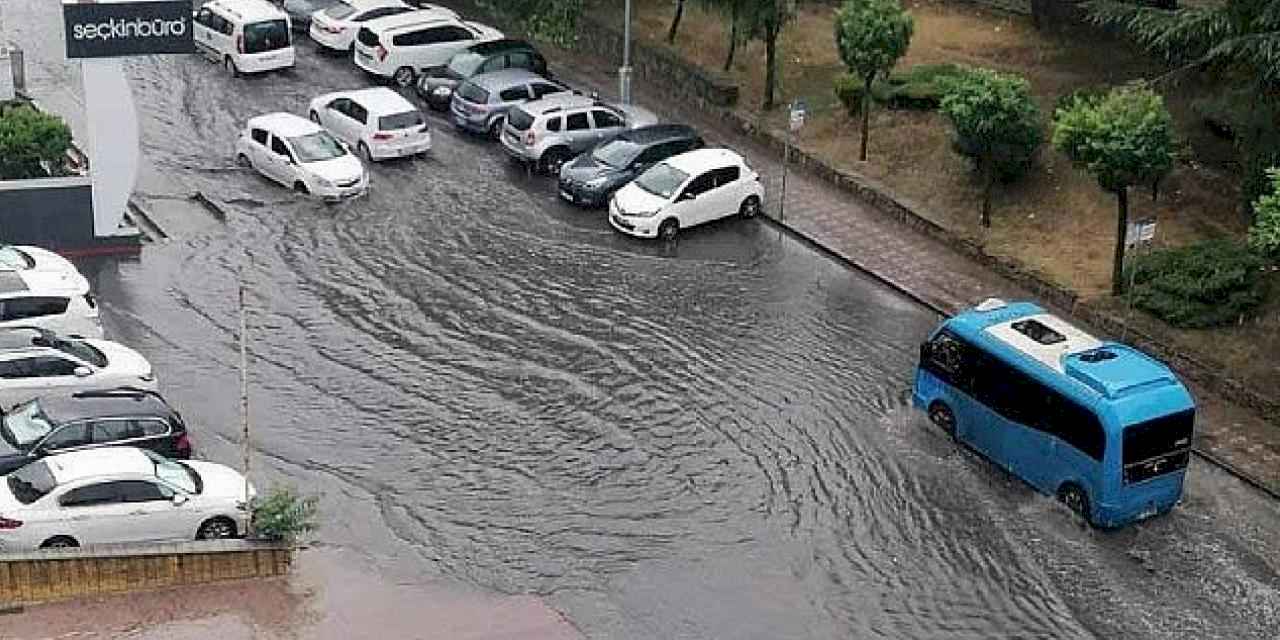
[
  {"x": 245, "y": 36},
  {"x": 401, "y": 46},
  {"x": 685, "y": 191},
  {"x": 41, "y": 288},
  {"x": 299, "y": 154},
  {"x": 335, "y": 28},
  {"x": 34, "y": 360},
  {"x": 119, "y": 495},
  {"x": 379, "y": 123}
]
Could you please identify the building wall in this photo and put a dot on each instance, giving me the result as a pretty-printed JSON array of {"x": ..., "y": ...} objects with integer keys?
[{"x": 54, "y": 213}]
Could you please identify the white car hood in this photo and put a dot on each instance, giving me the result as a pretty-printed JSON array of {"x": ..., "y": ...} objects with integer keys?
[
  {"x": 122, "y": 360},
  {"x": 632, "y": 199},
  {"x": 220, "y": 481},
  {"x": 339, "y": 169}
]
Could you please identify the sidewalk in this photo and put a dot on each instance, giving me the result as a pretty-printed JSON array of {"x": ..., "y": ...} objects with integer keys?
[{"x": 917, "y": 265}]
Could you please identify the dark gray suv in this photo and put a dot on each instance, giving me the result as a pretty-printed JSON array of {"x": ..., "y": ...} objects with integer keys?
[{"x": 591, "y": 178}]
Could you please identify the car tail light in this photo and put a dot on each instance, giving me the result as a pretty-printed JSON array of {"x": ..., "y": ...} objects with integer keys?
[
  {"x": 425, "y": 128},
  {"x": 9, "y": 523},
  {"x": 382, "y": 136},
  {"x": 240, "y": 44},
  {"x": 530, "y": 138},
  {"x": 183, "y": 446},
  {"x": 88, "y": 299},
  {"x": 382, "y": 53}
]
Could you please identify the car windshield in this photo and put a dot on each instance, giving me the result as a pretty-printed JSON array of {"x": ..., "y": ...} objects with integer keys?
[
  {"x": 662, "y": 180},
  {"x": 317, "y": 147},
  {"x": 464, "y": 64},
  {"x": 25, "y": 425},
  {"x": 176, "y": 473},
  {"x": 11, "y": 258},
  {"x": 519, "y": 119},
  {"x": 81, "y": 350},
  {"x": 340, "y": 11},
  {"x": 471, "y": 92},
  {"x": 269, "y": 35},
  {"x": 616, "y": 153},
  {"x": 396, "y": 122},
  {"x": 32, "y": 482}
]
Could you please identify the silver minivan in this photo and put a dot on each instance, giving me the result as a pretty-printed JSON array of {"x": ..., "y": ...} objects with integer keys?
[
  {"x": 480, "y": 104},
  {"x": 551, "y": 131}
]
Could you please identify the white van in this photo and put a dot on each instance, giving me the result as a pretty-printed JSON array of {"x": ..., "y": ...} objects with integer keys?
[{"x": 246, "y": 36}]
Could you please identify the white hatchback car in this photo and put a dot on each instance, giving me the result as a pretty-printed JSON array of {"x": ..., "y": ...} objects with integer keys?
[
  {"x": 378, "y": 122},
  {"x": 120, "y": 495},
  {"x": 299, "y": 154},
  {"x": 34, "y": 360},
  {"x": 335, "y": 28},
  {"x": 41, "y": 288},
  {"x": 685, "y": 191},
  {"x": 402, "y": 46},
  {"x": 245, "y": 36}
]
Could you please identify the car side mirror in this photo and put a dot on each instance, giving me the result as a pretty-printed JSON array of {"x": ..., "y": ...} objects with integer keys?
[
  {"x": 688, "y": 195},
  {"x": 83, "y": 372},
  {"x": 180, "y": 499}
]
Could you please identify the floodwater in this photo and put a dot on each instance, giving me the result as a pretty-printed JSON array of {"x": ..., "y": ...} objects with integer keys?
[{"x": 705, "y": 440}]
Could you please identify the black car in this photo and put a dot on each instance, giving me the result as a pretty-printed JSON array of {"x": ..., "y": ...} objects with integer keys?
[
  {"x": 436, "y": 86},
  {"x": 591, "y": 178},
  {"x": 59, "y": 422}
]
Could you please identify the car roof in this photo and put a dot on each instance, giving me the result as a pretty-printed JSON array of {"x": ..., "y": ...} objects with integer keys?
[
  {"x": 66, "y": 406},
  {"x": 285, "y": 124},
  {"x": 413, "y": 19},
  {"x": 30, "y": 282},
  {"x": 657, "y": 133},
  {"x": 500, "y": 45},
  {"x": 699, "y": 159},
  {"x": 504, "y": 78},
  {"x": 248, "y": 10},
  {"x": 379, "y": 100},
  {"x": 365, "y": 5},
  {"x": 560, "y": 102},
  {"x": 103, "y": 461}
]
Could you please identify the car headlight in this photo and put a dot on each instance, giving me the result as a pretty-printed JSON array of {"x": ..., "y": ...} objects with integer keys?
[{"x": 597, "y": 182}]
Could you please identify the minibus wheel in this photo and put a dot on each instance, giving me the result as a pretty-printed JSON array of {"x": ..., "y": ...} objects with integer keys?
[
  {"x": 940, "y": 414},
  {"x": 1075, "y": 499}
]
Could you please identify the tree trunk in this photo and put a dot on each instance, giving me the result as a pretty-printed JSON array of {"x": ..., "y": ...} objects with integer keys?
[
  {"x": 1122, "y": 228},
  {"x": 866, "y": 116},
  {"x": 988, "y": 180},
  {"x": 771, "y": 64},
  {"x": 675, "y": 22},
  {"x": 733, "y": 38}
]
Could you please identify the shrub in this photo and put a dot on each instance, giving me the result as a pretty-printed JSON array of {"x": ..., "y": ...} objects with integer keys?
[
  {"x": 32, "y": 144},
  {"x": 1264, "y": 235},
  {"x": 283, "y": 515},
  {"x": 1091, "y": 95},
  {"x": 919, "y": 88},
  {"x": 1204, "y": 285}
]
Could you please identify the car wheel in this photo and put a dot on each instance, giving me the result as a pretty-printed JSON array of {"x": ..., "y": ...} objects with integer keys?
[
  {"x": 495, "y": 129},
  {"x": 315, "y": 117},
  {"x": 301, "y": 188},
  {"x": 553, "y": 159},
  {"x": 941, "y": 415},
  {"x": 403, "y": 77},
  {"x": 364, "y": 152},
  {"x": 1075, "y": 499},
  {"x": 750, "y": 207},
  {"x": 668, "y": 229},
  {"x": 59, "y": 542},
  {"x": 230, "y": 66},
  {"x": 216, "y": 529},
  {"x": 243, "y": 161}
]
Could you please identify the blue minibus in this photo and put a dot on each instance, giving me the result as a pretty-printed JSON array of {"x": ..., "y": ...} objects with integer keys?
[{"x": 1100, "y": 425}]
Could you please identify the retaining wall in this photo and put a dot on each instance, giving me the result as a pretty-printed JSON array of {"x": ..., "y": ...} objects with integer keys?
[{"x": 60, "y": 574}]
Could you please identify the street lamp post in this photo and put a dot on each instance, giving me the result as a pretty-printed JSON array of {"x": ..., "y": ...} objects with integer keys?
[{"x": 624, "y": 73}]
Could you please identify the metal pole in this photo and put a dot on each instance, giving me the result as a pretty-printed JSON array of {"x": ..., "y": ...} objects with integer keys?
[
  {"x": 782, "y": 197},
  {"x": 624, "y": 73},
  {"x": 244, "y": 385}
]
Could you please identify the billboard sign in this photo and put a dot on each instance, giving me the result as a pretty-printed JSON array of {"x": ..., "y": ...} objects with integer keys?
[{"x": 115, "y": 29}]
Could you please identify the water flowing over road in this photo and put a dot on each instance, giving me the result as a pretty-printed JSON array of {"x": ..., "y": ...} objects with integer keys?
[{"x": 705, "y": 440}]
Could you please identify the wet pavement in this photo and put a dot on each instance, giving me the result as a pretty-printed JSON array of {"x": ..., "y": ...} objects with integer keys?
[{"x": 710, "y": 439}]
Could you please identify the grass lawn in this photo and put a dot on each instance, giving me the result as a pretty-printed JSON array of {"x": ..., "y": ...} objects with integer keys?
[{"x": 1056, "y": 220}]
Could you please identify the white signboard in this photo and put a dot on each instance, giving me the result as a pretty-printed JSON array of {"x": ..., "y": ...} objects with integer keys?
[
  {"x": 798, "y": 112},
  {"x": 1141, "y": 232}
]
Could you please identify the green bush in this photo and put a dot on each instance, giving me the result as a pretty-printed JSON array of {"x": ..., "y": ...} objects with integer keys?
[
  {"x": 32, "y": 144},
  {"x": 1089, "y": 94},
  {"x": 919, "y": 87},
  {"x": 1204, "y": 285},
  {"x": 283, "y": 515},
  {"x": 1264, "y": 235}
]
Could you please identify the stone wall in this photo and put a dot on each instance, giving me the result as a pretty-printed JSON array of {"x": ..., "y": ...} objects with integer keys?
[{"x": 60, "y": 574}]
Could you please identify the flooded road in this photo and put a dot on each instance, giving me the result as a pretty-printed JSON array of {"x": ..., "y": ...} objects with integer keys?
[{"x": 704, "y": 440}]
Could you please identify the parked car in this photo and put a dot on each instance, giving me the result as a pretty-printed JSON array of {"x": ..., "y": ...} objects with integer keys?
[
  {"x": 59, "y": 301},
  {"x": 30, "y": 258},
  {"x": 299, "y": 12},
  {"x": 35, "y": 361},
  {"x": 62, "y": 421},
  {"x": 480, "y": 104},
  {"x": 335, "y": 28},
  {"x": 437, "y": 86},
  {"x": 402, "y": 46},
  {"x": 120, "y": 495},
  {"x": 299, "y": 154},
  {"x": 593, "y": 177},
  {"x": 378, "y": 122},
  {"x": 245, "y": 36},
  {"x": 551, "y": 131},
  {"x": 685, "y": 191}
]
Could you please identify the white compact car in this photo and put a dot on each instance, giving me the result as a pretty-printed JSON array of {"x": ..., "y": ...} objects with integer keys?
[
  {"x": 120, "y": 495},
  {"x": 41, "y": 288},
  {"x": 299, "y": 154},
  {"x": 685, "y": 191},
  {"x": 34, "y": 360},
  {"x": 335, "y": 28},
  {"x": 245, "y": 36},
  {"x": 402, "y": 46},
  {"x": 378, "y": 122}
]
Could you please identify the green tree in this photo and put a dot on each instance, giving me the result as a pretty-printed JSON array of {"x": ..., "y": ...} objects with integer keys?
[
  {"x": 1264, "y": 235},
  {"x": 764, "y": 20},
  {"x": 1124, "y": 138},
  {"x": 553, "y": 20},
  {"x": 872, "y": 35},
  {"x": 996, "y": 122},
  {"x": 30, "y": 141},
  {"x": 732, "y": 10}
]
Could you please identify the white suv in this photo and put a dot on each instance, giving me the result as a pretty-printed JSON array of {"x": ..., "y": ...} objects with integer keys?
[
  {"x": 402, "y": 46},
  {"x": 246, "y": 36},
  {"x": 299, "y": 154},
  {"x": 34, "y": 360},
  {"x": 116, "y": 495},
  {"x": 685, "y": 191}
]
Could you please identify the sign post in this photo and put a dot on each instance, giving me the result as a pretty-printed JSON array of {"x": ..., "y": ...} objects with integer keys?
[
  {"x": 796, "y": 118},
  {"x": 1139, "y": 236}
]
